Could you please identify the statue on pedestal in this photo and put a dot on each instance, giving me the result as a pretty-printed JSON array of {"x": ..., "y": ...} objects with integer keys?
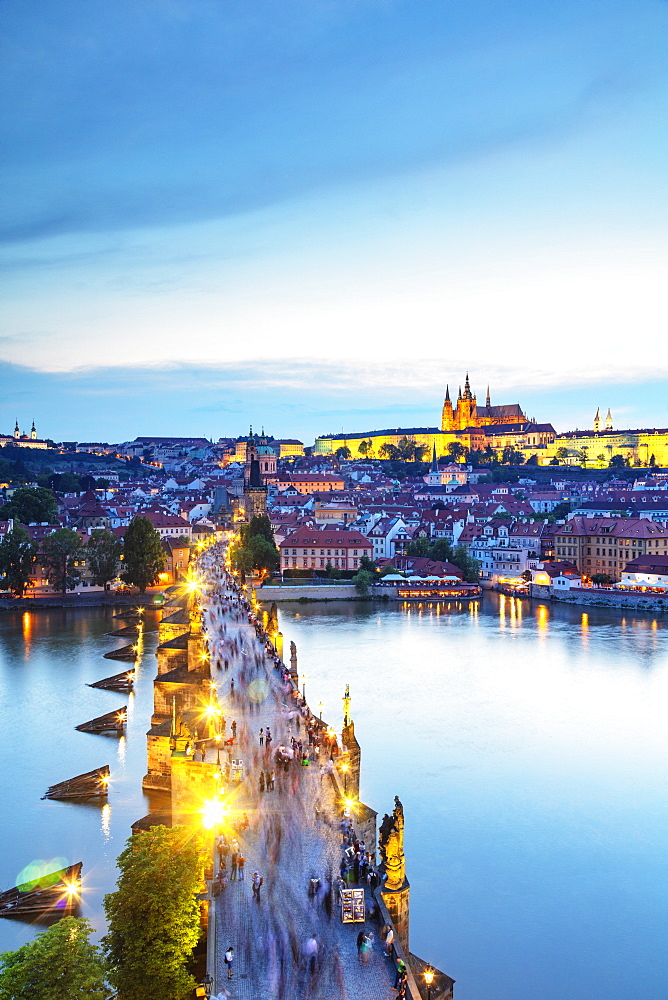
[{"x": 391, "y": 846}]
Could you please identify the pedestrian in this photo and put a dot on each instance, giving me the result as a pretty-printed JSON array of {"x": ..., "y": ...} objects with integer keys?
[
  {"x": 233, "y": 872},
  {"x": 220, "y": 849},
  {"x": 258, "y": 882},
  {"x": 232, "y": 688},
  {"x": 388, "y": 940},
  {"x": 234, "y": 729},
  {"x": 268, "y": 737},
  {"x": 360, "y": 943},
  {"x": 311, "y": 953},
  {"x": 401, "y": 975},
  {"x": 261, "y": 781},
  {"x": 241, "y": 866},
  {"x": 261, "y": 737},
  {"x": 229, "y": 958},
  {"x": 271, "y": 777}
]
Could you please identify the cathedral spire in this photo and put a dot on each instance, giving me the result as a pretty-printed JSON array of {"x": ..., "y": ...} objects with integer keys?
[
  {"x": 488, "y": 401},
  {"x": 467, "y": 387},
  {"x": 597, "y": 421},
  {"x": 608, "y": 421},
  {"x": 447, "y": 393},
  {"x": 434, "y": 461}
]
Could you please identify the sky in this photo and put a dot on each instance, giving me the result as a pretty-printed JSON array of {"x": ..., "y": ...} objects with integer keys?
[{"x": 313, "y": 215}]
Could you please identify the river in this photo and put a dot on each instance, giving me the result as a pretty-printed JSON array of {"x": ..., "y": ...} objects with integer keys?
[{"x": 527, "y": 743}]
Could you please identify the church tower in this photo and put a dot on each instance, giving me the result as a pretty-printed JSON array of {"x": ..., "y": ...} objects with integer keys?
[
  {"x": 597, "y": 421},
  {"x": 255, "y": 490},
  {"x": 17, "y": 432},
  {"x": 33, "y": 432},
  {"x": 466, "y": 407},
  {"x": 447, "y": 418},
  {"x": 608, "y": 421}
]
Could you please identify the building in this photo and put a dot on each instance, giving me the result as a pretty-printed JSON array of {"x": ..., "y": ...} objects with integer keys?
[
  {"x": 472, "y": 427},
  {"x": 308, "y": 548},
  {"x": 255, "y": 487},
  {"x": 19, "y": 440},
  {"x": 606, "y": 544},
  {"x": 310, "y": 482},
  {"x": 647, "y": 571},
  {"x": 596, "y": 448},
  {"x": 467, "y": 413}
]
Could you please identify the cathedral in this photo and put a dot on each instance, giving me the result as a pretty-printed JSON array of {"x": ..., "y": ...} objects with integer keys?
[{"x": 467, "y": 413}]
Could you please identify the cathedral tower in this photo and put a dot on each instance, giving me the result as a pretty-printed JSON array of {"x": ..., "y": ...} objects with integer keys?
[
  {"x": 447, "y": 418},
  {"x": 597, "y": 421}
]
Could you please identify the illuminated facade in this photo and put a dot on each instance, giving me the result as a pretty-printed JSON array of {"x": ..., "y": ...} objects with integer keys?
[
  {"x": 467, "y": 414},
  {"x": 473, "y": 427}
]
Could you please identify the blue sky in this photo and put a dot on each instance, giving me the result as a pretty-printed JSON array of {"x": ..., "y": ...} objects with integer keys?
[{"x": 314, "y": 214}]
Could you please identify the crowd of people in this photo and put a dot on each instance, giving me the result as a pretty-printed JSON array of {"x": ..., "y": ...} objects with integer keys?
[{"x": 293, "y": 944}]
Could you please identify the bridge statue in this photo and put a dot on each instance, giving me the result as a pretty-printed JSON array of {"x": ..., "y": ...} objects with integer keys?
[
  {"x": 391, "y": 846},
  {"x": 346, "y": 706},
  {"x": 293, "y": 658}
]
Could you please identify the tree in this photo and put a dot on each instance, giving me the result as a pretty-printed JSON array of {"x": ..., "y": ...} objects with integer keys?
[
  {"x": 363, "y": 580},
  {"x": 441, "y": 550},
  {"x": 365, "y": 447},
  {"x": 406, "y": 449},
  {"x": 457, "y": 451},
  {"x": 368, "y": 565},
  {"x": 60, "y": 962},
  {"x": 469, "y": 566},
  {"x": 17, "y": 558},
  {"x": 343, "y": 452},
  {"x": 153, "y": 917},
  {"x": 583, "y": 455},
  {"x": 103, "y": 555},
  {"x": 562, "y": 454},
  {"x": 418, "y": 547},
  {"x": 389, "y": 451},
  {"x": 601, "y": 579},
  {"x": 618, "y": 462},
  {"x": 256, "y": 548},
  {"x": 30, "y": 505},
  {"x": 264, "y": 554},
  {"x": 143, "y": 554},
  {"x": 61, "y": 551},
  {"x": 511, "y": 456}
]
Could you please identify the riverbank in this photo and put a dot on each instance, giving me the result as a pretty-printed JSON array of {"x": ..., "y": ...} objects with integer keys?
[
  {"x": 622, "y": 600},
  {"x": 100, "y": 599}
]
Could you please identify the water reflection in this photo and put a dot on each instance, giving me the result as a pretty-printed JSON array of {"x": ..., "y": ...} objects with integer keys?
[{"x": 524, "y": 740}]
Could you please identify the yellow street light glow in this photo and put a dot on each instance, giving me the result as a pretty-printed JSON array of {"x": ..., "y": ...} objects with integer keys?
[
  {"x": 104, "y": 779},
  {"x": 428, "y": 976},
  {"x": 349, "y": 803},
  {"x": 345, "y": 768},
  {"x": 212, "y": 710},
  {"x": 213, "y": 813}
]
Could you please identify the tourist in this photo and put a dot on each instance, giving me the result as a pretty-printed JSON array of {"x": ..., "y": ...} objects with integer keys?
[
  {"x": 261, "y": 781},
  {"x": 311, "y": 953},
  {"x": 241, "y": 867},
  {"x": 401, "y": 975},
  {"x": 261, "y": 737},
  {"x": 229, "y": 958},
  {"x": 360, "y": 943},
  {"x": 258, "y": 882},
  {"x": 388, "y": 939},
  {"x": 234, "y": 863}
]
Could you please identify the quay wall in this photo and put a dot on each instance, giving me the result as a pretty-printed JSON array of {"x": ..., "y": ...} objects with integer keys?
[
  {"x": 586, "y": 596},
  {"x": 315, "y": 593}
]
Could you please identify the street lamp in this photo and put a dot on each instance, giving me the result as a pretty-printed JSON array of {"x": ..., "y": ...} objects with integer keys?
[
  {"x": 345, "y": 768},
  {"x": 428, "y": 978},
  {"x": 304, "y": 686},
  {"x": 320, "y": 708}
]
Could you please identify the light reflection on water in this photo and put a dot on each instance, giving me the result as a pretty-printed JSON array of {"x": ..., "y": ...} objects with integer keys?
[
  {"x": 528, "y": 744},
  {"x": 46, "y": 660}
]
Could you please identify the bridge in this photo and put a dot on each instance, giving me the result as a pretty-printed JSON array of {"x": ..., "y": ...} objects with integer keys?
[{"x": 278, "y": 788}]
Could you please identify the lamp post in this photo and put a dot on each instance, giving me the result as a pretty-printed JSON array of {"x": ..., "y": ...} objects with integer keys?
[
  {"x": 320, "y": 708},
  {"x": 304, "y": 686},
  {"x": 428, "y": 978},
  {"x": 345, "y": 768}
]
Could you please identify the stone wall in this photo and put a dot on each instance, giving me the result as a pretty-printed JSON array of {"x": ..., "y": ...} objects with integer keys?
[{"x": 589, "y": 596}]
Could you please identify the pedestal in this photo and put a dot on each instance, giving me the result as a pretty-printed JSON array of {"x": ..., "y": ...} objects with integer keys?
[{"x": 397, "y": 903}]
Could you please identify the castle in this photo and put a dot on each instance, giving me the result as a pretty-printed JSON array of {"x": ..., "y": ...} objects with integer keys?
[{"x": 467, "y": 413}]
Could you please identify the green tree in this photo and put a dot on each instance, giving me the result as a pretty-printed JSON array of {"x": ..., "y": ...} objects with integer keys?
[
  {"x": 418, "y": 547},
  {"x": 457, "y": 451},
  {"x": 60, "y": 963},
  {"x": 441, "y": 549},
  {"x": 406, "y": 449},
  {"x": 30, "y": 505},
  {"x": 601, "y": 579},
  {"x": 343, "y": 452},
  {"x": 264, "y": 554},
  {"x": 368, "y": 565},
  {"x": 583, "y": 455},
  {"x": 363, "y": 580},
  {"x": 61, "y": 552},
  {"x": 103, "y": 553},
  {"x": 143, "y": 554},
  {"x": 389, "y": 451},
  {"x": 17, "y": 558},
  {"x": 561, "y": 454},
  {"x": 618, "y": 462},
  {"x": 365, "y": 448},
  {"x": 469, "y": 566},
  {"x": 259, "y": 525},
  {"x": 511, "y": 456},
  {"x": 153, "y": 917}
]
